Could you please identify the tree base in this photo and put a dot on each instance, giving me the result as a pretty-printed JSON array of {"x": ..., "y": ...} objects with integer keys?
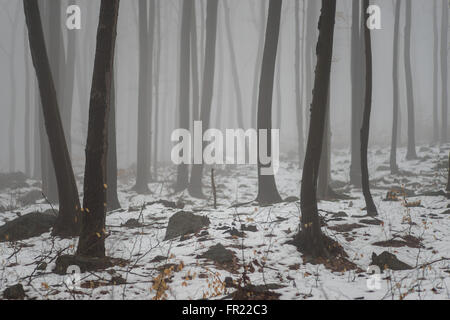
[{"x": 326, "y": 251}]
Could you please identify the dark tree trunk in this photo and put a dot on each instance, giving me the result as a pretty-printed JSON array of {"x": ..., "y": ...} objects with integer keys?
[
  {"x": 309, "y": 54},
  {"x": 258, "y": 63},
  {"x": 146, "y": 34},
  {"x": 234, "y": 67},
  {"x": 411, "y": 149},
  {"x": 68, "y": 221},
  {"x": 310, "y": 238},
  {"x": 435, "y": 73},
  {"x": 365, "y": 129},
  {"x": 395, "y": 79},
  {"x": 184, "y": 87},
  {"x": 56, "y": 56},
  {"x": 357, "y": 95},
  {"x": 92, "y": 238},
  {"x": 299, "y": 85},
  {"x": 195, "y": 185},
  {"x": 267, "y": 189},
  {"x": 111, "y": 196},
  {"x": 444, "y": 71}
]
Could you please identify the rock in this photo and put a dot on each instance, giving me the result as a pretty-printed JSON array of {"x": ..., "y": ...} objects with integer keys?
[
  {"x": 182, "y": 223},
  {"x": 373, "y": 222},
  {"x": 132, "y": 223},
  {"x": 15, "y": 292},
  {"x": 84, "y": 263},
  {"x": 389, "y": 261},
  {"x": 218, "y": 254},
  {"x": 13, "y": 180},
  {"x": 235, "y": 233},
  {"x": 250, "y": 228},
  {"x": 42, "y": 266},
  {"x": 169, "y": 204},
  {"x": 27, "y": 226},
  {"x": 31, "y": 197}
]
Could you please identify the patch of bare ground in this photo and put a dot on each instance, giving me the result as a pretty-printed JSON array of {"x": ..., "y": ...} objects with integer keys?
[
  {"x": 404, "y": 241},
  {"x": 346, "y": 227}
]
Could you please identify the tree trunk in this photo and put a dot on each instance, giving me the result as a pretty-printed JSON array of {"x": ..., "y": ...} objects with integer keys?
[
  {"x": 27, "y": 144},
  {"x": 68, "y": 221},
  {"x": 444, "y": 71},
  {"x": 194, "y": 61},
  {"x": 258, "y": 64},
  {"x": 435, "y": 73},
  {"x": 157, "y": 86},
  {"x": 184, "y": 87},
  {"x": 195, "y": 185},
  {"x": 92, "y": 238},
  {"x": 111, "y": 196},
  {"x": 234, "y": 67},
  {"x": 310, "y": 238},
  {"x": 146, "y": 34},
  {"x": 357, "y": 96},
  {"x": 267, "y": 189},
  {"x": 395, "y": 79},
  {"x": 365, "y": 129},
  {"x": 299, "y": 84},
  {"x": 411, "y": 150},
  {"x": 323, "y": 185}
]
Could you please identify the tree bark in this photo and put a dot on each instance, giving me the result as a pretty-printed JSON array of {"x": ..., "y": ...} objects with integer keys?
[
  {"x": 267, "y": 189},
  {"x": 299, "y": 84},
  {"x": 365, "y": 129},
  {"x": 111, "y": 196},
  {"x": 234, "y": 67},
  {"x": 195, "y": 185},
  {"x": 258, "y": 64},
  {"x": 68, "y": 221},
  {"x": 146, "y": 35},
  {"x": 444, "y": 71},
  {"x": 184, "y": 87},
  {"x": 435, "y": 73},
  {"x": 411, "y": 149},
  {"x": 395, "y": 79},
  {"x": 310, "y": 238},
  {"x": 93, "y": 233},
  {"x": 357, "y": 79}
]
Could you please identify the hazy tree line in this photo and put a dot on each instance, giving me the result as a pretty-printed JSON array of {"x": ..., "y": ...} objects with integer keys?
[{"x": 75, "y": 68}]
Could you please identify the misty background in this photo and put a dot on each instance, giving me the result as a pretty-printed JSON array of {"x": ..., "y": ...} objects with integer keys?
[{"x": 246, "y": 25}]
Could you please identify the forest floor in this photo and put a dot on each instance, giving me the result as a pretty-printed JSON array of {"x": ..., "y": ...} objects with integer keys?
[{"x": 415, "y": 228}]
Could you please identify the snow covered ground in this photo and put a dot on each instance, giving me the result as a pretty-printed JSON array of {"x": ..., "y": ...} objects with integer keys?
[{"x": 172, "y": 269}]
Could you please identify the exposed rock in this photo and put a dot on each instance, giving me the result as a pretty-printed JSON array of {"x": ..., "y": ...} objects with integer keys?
[
  {"x": 235, "y": 233},
  {"x": 389, "y": 261},
  {"x": 373, "y": 222},
  {"x": 27, "y": 226},
  {"x": 13, "y": 180},
  {"x": 15, "y": 292},
  {"x": 132, "y": 223},
  {"x": 218, "y": 254},
  {"x": 31, "y": 197},
  {"x": 182, "y": 223}
]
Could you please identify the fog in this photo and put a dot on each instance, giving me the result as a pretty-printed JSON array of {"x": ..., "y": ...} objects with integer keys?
[{"x": 245, "y": 25}]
